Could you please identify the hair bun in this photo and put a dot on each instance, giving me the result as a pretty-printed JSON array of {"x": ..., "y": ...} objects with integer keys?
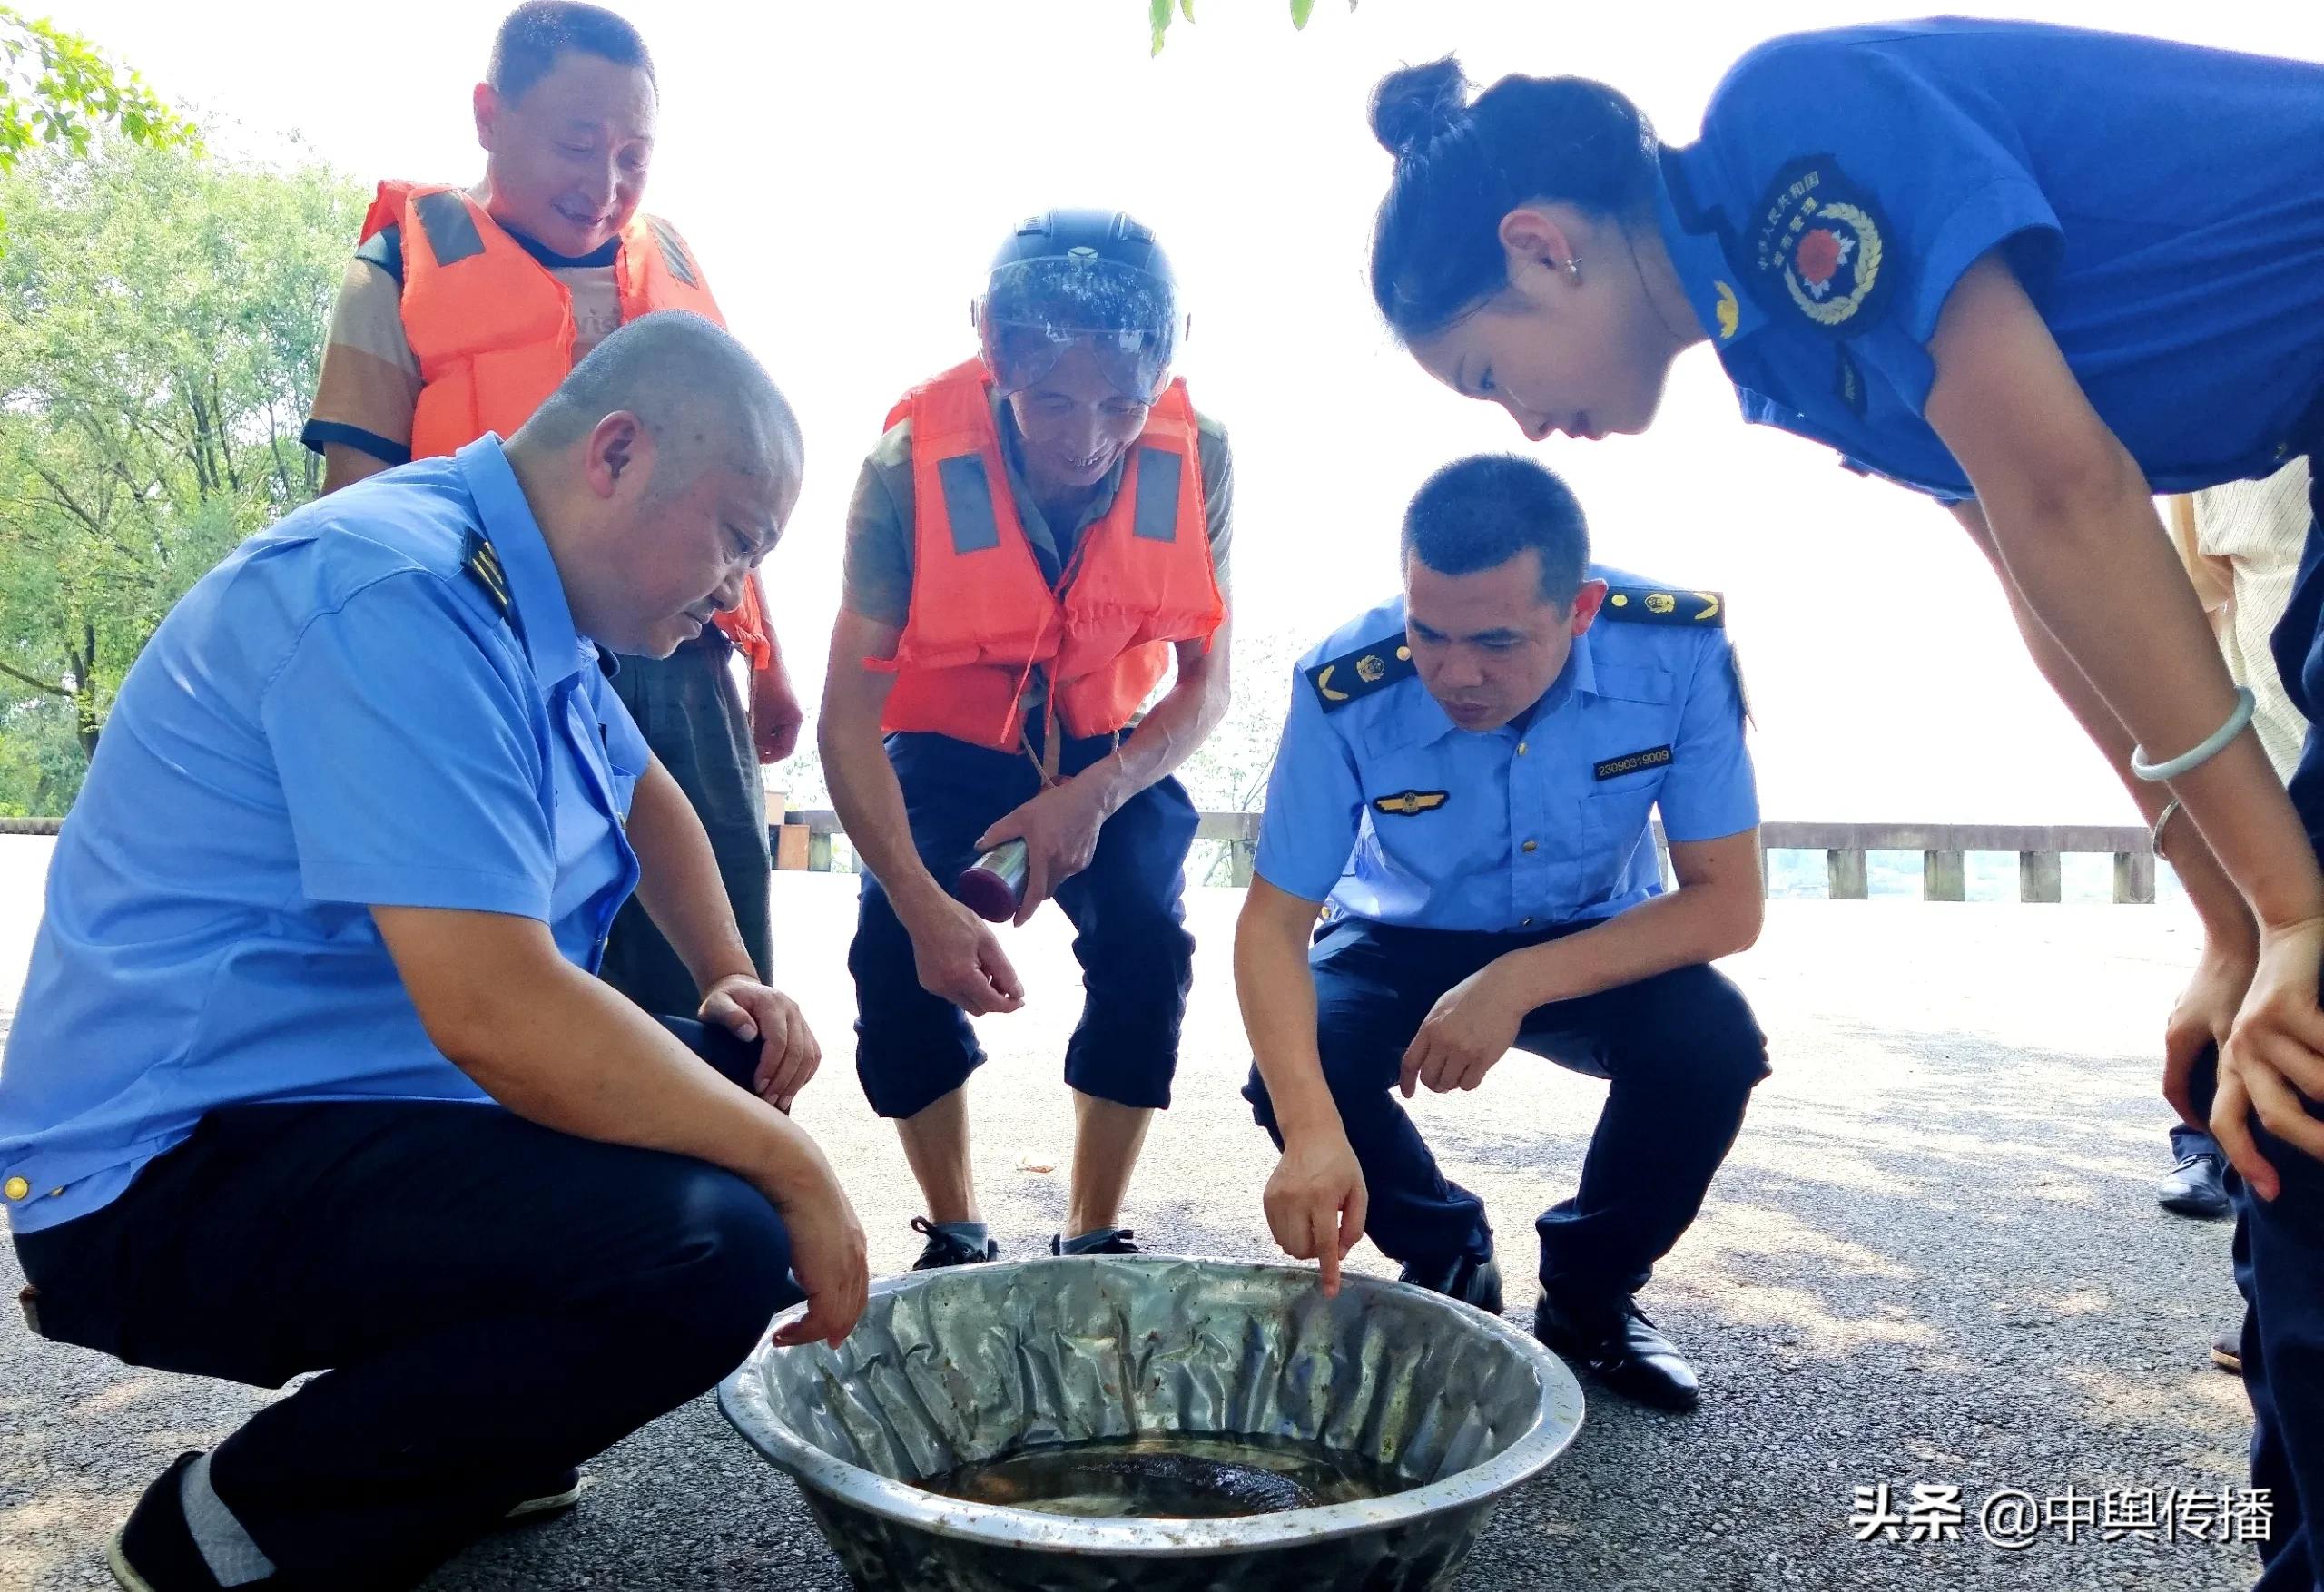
[{"x": 1412, "y": 107}]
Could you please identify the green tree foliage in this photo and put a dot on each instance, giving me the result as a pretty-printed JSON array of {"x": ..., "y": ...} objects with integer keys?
[
  {"x": 162, "y": 318},
  {"x": 56, "y": 90},
  {"x": 1161, "y": 14}
]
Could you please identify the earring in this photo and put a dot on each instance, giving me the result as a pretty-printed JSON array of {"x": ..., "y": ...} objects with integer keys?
[{"x": 1574, "y": 267}]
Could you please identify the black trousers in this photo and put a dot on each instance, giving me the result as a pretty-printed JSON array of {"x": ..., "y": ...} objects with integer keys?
[
  {"x": 688, "y": 709},
  {"x": 490, "y": 1302},
  {"x": 1682, "y": 1051},
  {"x": 1129, "y": 914}
]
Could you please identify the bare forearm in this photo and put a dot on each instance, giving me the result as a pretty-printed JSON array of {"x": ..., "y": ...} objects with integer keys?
[
  {"x": 1276, "y": 990},
  {"x": 2227, "y": 920},
  {"x": 1180, "y": 722},
  {"x": 870, "y": 803},
  {"x": 344, "y": 466},
  {"x": 2103, "y": 584},
  {"x": 679, "y": 884},
  {"x": 560, "y": 1048},
  {"x": 1690, "y": 925}
]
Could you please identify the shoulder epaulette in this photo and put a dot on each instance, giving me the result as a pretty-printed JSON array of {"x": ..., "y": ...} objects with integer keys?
[
  {"x": 483, "y": 566},
  {"x": 1654, "y": 605},
  {"x": 1362, "y": 672}
]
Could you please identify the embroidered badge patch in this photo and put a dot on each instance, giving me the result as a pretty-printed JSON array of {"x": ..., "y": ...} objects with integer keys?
[
  {"x": 1405, "y": 803},
  {"x": 1359, "y": 672},
  {"x": 1821, "y": 248},
  {"x": 1648, "y": 605},
  {"x": 1631, "y": 763}
]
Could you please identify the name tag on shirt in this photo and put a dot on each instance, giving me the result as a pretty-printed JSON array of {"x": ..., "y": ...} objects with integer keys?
[{"x": 1631, "y": 763}]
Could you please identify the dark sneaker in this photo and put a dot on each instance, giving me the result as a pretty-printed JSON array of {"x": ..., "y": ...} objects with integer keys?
[
  {"x": 560, "y": 1495},
  {"x": 1613, "y": 1342},
  {"x": 2197, "y": 1186},
  {"x": 1116, "y": 1241},
  {"x": 154, "y": 1550},
  {"x": 2227, "y": 1350},
  {"x": 945, "y": 1250},
  {"x": 1470, "y": 1278}
]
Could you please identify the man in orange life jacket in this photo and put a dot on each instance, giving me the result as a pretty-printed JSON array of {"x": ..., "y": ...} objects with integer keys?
[
  {"x": 1037, "y": 532},
  {"x": 464, "y": 309}
]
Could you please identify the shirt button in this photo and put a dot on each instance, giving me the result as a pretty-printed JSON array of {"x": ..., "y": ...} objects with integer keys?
[
  {"x": 1530, "y": 845},
  {"x": 16, "y": 1188},
  {"x": 1525, "y": 923},
  {"x": 1520, "y": 749}
]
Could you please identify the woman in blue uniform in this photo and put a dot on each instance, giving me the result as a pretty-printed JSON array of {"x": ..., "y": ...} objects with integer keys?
[{"x": 2040, "y": 275}]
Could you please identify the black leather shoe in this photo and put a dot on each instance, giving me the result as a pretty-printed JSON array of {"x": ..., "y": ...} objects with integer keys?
[
  {"x": 1470, "y": 1278},
  {"x": 1615, "y": 1343},
  {"x": 154, "y": 1550},
  {"x": 2197, "y": 1186},
  {"x": 946, "y": 1250}
]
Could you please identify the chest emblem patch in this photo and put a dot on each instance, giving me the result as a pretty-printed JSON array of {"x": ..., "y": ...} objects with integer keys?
[
  {"x": 1820, "y": 246},
  {"x": 1405, "y": 803}
]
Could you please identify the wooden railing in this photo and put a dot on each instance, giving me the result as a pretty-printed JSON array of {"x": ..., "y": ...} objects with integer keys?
[{"x": 1944, "y": 849}]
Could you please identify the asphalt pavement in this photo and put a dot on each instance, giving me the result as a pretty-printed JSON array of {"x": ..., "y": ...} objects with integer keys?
[{"x": 1934, "y": 1260}]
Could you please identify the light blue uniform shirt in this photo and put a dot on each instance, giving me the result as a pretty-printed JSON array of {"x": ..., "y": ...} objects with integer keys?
[
  {"x": 2162, "y": 204},
  {"x": 1381, "y": 804},
  {"x": 338, "y": 716}
]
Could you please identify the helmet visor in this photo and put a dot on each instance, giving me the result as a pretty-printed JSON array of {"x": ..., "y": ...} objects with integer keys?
[{"x": 1035, "y": 310}]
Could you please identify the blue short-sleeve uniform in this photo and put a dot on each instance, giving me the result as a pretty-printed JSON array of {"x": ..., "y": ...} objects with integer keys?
[
  {"x": 381, "y": 701},
  {"x": 1381, "y": 804},
  {"x": 1441, "y": 850},
  {"x": 2162, "y": 204}
]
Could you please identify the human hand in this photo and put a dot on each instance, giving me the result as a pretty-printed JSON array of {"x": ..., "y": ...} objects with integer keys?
[
  {"x": 958, "y": 956},
  {"x": 827, "y": 1256},
  {"x": 2273, "y": 1065},
  {"x": 1315, "y": 1203},
  {"x": 2203, "y": 1017},
  {"x": 789, "y": 1053},
  {"x": 1059, "y": 828},
  {"x": 776, "y": 717},
  {"x": 1471, "y": 1025}
]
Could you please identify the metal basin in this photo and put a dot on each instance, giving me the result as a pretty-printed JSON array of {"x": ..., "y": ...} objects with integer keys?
[{"x": 955, "y": 1367}]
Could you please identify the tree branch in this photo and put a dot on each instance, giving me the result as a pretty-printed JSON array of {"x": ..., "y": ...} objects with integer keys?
[{"x": 41, "y": 685}]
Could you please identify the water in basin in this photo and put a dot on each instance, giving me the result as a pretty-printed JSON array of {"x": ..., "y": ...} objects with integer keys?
[{"x": 1176, "y": 1477}]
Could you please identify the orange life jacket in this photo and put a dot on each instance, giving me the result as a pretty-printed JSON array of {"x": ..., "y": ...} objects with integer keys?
[
  {"x": 492, "y": 328},
  {"x": 984, "y": 616}
]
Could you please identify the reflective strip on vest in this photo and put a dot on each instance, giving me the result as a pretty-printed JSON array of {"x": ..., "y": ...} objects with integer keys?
[
  {"x": 968, "y": 501},
  {"x": 451, "y": 230},
  {"x": 1157, "y": 494},
  {"x": 673, "y": 255}
]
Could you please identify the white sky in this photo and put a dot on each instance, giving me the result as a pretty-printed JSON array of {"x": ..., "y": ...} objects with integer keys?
[{"x": 844, "y": 170}]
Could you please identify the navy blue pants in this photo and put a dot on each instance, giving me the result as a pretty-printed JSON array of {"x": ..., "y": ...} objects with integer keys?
[
  {"x": 1129, "y": 914},
  {"x": 2279, "y": 1243},
  {"x": 1681, "y": 1050},
  {"x": 491, "y": 1301},
  {"x": 2190, "y": 1141}
]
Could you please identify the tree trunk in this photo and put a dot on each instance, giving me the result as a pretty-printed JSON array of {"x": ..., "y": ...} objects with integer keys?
[{"x": 86, "y": 727}]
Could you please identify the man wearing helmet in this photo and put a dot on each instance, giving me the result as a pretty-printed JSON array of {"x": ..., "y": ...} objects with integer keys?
[{"x": 1040, "y": 533}]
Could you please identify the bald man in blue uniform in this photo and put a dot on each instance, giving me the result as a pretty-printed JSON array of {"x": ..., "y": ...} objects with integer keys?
[
  {"x": 312, "y": 1073},
  {"x": 1464, "y": 790}
]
